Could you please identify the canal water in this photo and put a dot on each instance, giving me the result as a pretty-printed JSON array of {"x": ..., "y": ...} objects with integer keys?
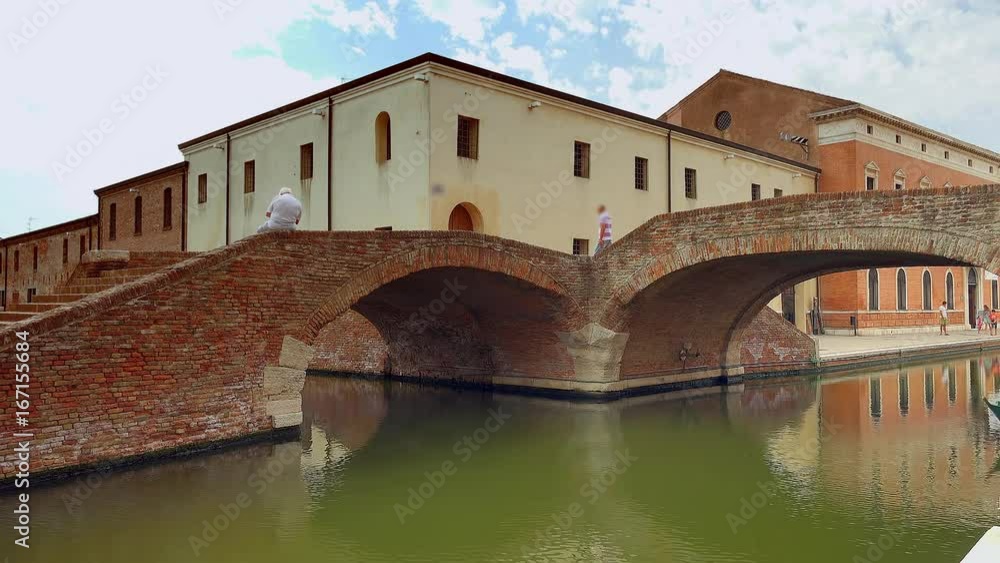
[{"x": 900, "y": 464}]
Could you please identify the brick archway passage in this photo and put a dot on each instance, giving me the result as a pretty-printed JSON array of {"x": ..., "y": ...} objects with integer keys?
[{"x": 215, "y": 348}]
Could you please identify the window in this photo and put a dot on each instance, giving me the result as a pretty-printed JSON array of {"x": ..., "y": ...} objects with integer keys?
[
  {"x": 383, "y": 139},
  {"x": 202, "y": 188},
  {"x": 641, "y": 173},
  {"x": 904, "y": 394},
  {"x": 871, "y": 176},
  {"x": 306, "y": 161},
  {"x": 949, "y": 291},
  {"x": 923, "y": 147},
  {"x": 581, "y": 159},
  {"x": 870, "y": 129},
  {"x": 17, "y": 260},
  {"x": 901, "y": 290},
  {"x": 34, "y": 258},
  {"x": 875, "y": 396},
  {"x": 873, "y": 290},
  {"x": 249, "y": 177},
  {"x": 899, "y": 139},
  {"x": 947, "y": 155},
  {"x": 970, "y": 162},
  {"x": 928, "y": 296},
  {"x": 690, "y": 183},
  {"x": 168, "y": 209},
  {"x": 138, "y": 216},
  {"x": 995, "y": 298},
  {"x": 778, "y": 192},
  {"x": 83, "y": 244},
  {"x": 581, "y": 247},
  {"x": 3, "y": 298},
  {"x": 468, "y": 137},
  {"x": 113, "y": 222},
  {"x": 723, "y": 120},
  {"x": 925, "y": 183},
  {"x": 65, "y": 250},
  {"x": 32, "y": 292},
  {"x": 899, "y": 179},
  {"x": 754, "y": 192}
]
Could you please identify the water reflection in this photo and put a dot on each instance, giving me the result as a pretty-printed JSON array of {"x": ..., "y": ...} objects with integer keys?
[{"x": 847, "y": 459}]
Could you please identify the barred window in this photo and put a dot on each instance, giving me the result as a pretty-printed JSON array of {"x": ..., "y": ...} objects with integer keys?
[
  {"x": 249, "y": 177},
  {"x": 641, "y": 173},
  {"x": 581, "y": 247},
  {"x": 754, "y": 192},
  {"x": 690, "y": 183},
  {"x": 581, "y": 159},
  {"x": 306, "y": 161},
  {"x": 468, "y": 137},
  {"x": 778, "y": 192},
  {"x": 202, "y": 188}
]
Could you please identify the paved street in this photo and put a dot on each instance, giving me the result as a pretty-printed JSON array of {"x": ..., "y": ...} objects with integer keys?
[{"x": 831, "y": 347}]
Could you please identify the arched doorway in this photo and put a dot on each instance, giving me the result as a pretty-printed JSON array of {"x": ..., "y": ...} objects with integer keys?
[
  {"x": 465, "y": 217},
  {"x": 973, "y": 303}
]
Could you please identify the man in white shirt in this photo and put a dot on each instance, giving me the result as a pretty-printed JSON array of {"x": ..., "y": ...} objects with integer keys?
[
  {"x": 944, "y": 318},
  {"x": 283, "y": 214},
  {"x": 604, "y": 224}
]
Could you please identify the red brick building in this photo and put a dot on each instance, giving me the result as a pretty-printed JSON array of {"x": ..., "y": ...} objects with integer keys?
[
  {"x": 35, "y": 262},
  {"x": 857, "y": 148},
  {"x": 145, "y": 212}
]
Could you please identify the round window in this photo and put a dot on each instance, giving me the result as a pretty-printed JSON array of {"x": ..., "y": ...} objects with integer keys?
[{"x": 723, "y": 121}]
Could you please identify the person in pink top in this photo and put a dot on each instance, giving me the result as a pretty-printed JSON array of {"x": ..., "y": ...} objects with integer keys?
[{"x": 604, "y": 223}]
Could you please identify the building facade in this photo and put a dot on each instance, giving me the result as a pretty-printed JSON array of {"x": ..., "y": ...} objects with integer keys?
[
  {"x": 35, "y": 262},
  {"x": 145, "y": 212},
  {"x": 433, "y": 143},
  {"x": 857, "y": 148}
]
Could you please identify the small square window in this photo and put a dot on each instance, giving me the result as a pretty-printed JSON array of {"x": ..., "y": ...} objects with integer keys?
[
  {"x": 468, "y": 137},
  {"x": 581, "y": 247},
  {"x": 871, "y": 130},
  {"x": 947, "y": 155},
  {"x": 690, "y": 183},
  {"x": 899, "y": 139},
  {"x": 923, "y": 147},
  {"x": 202, "y": 188},
  {"x": 754, "y": 192},
  {"x": 778, "y": 192},
  {"x": 641, "y": 173},
  {"x": 581, "y": 159},
  {"x": 970, "y": 162}
]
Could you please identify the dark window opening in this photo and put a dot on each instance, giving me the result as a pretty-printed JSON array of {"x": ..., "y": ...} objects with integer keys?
[
  {"x": 581, "y": 159},
  {"x": 202, "y": 188},
  {"x": 641, "y": 173},
  {"x": 468, "y": 137},
  {"x": 690, "y": 183},
  {"x": 901, "y": 290},
  {"x": 168, "y": 209},
  {"x": 249, "y": 177},
  {"x": 581, "y": 247},
  {"x": 873, "y": 290},
  {"x": 928, "y": 297},
  {"x": 113, "y": 222},
  {"x": 754, "y": 192},
  {"x": 306, "y": 161},
  {"x": 65, "y": 255},
  {"x": 138, "y": 216}
]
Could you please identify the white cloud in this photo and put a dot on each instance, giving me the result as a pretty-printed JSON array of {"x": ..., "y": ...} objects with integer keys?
[
  {"x": 574, "y": 15},
  {"x": 468, "y": 20}
]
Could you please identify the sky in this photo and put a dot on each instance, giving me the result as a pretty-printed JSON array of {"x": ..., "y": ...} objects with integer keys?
[{"x": 94, "y": 93}]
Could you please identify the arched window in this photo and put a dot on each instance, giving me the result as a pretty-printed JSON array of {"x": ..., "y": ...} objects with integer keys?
[
  {"x": 928, "y": 298},
  {"x": 873, "y": 290},
  {"x": 901, "y": 290},
  {"x": 383, "y": 138},
  {"x": 949, "y": 291}
]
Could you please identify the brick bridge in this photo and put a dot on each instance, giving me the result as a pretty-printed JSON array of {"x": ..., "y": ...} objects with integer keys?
[{"x": 216, "y": 347}]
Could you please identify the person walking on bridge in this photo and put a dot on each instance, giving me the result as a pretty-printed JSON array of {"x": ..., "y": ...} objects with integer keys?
[
  {"x": 283, "y": 214},
  {"x": 604, "y": 224}
]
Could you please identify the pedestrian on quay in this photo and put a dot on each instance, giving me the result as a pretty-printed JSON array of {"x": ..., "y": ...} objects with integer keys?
[
  {"x": 283, "y": 214},
  {"x": 604, "y": 226},
  {"x": 944, "y": 318},
  {"x": 993, "y": 319},
  {"x": 983, "y": 320}
]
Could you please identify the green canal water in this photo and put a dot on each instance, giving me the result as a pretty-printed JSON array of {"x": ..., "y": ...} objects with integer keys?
[{"x": 896, "y": 465}]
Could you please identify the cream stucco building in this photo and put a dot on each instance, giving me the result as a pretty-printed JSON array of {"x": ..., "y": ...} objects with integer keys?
[{"x": 433, "y": 143}]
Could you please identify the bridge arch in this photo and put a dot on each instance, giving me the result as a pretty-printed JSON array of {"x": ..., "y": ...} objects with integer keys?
[{"x": 687, "y": 305}]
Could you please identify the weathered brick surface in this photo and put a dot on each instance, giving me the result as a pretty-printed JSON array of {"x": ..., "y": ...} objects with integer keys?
[
  {"x": 18, "y": 271},
  {"x": 180, "y": 357}
]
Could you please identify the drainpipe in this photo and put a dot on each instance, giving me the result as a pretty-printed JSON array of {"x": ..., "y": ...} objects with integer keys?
[
  {"x": 184, "y": 209},
  {"x": 6, "y": 266},
  {"x": 329, "y": 164},
  {"x": 227, "y": 189},
  {"x": 670, "y": 176}
]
